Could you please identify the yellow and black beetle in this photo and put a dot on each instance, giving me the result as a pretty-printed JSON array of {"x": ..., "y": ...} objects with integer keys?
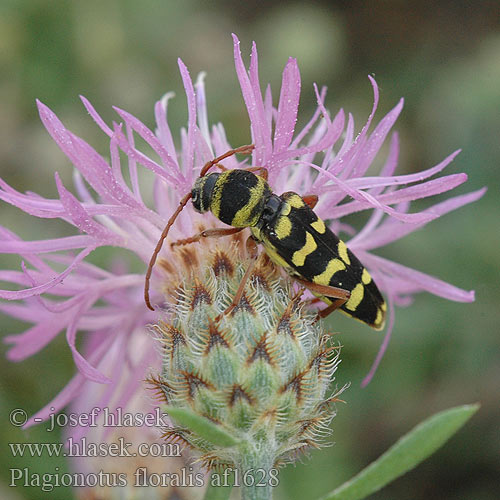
[{"x": 293, "y": 236}]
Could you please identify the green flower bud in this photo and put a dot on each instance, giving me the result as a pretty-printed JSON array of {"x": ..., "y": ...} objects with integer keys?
[{"x": 259, "y": 375}]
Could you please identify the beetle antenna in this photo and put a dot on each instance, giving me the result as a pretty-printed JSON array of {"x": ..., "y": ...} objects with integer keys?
[
  {"x": 245, "y": 150},
  {"x": 241, "y": 150},
  {"x": 164, "y": 234}
]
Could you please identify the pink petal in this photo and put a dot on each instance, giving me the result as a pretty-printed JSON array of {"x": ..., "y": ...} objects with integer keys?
[
  {"x": 96, "y": 117},
  {"x": 318, "y": 133},
  {"x": 268, "y": 107},
  {"x": 37, "y": 337},
  {"x": 81, "y": 218},
  {"x": 288, "y": 106},
  {"x": 383, "y": 347},
  {"x": 201, "y": 108},
  {"x": 93, "y": 167},
  {"x": 87, "y": 370},
  {"x": 73, "y": 388},
  {"x": 18, "y": 310},
  {"x": 191, "y": 102},
  {"x": 148, "y": 136},
  {"x": 349, "y": 153},
  {"x": 119, "y": 365},
  {"x": 37, "y": 290},
  {"x": 345, "y": 161},
  {"x": 365, "y": 201},
  {"x": 337, "y": 164},
  {"x": 424, "y": 281},
  {"x": 375, "y": 105},
  {"x": 132, "y": 166},
  {"x": 141, "y": 158},
  {"x": 53, "y": 307},
  {"x": 219, "y": 140},
  {"x": 164, "y": 133},
  {"x": 136, "y": 377},
  {"x": 392, "y": 230},
  {"x": 383, "y": 181},
  {"x": 392, "y": 158},
  {"x": 261, "y": 136},
  {"x": 376, "y": 139},
  {"x": 33, "y": 259},
  {"x": 48, "y": 209},
  {"x": 41, "y": 246},
  {"x": 253, "y": 73},
  {"x": 311, "y": 122},
  {"x": 331, "y": 135}
]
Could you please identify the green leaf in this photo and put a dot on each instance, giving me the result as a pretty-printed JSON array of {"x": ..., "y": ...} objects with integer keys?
[
  {"x": 218, "y": 492},
  {"x": 202, "y": 426},
  {"x": 409, "y": 451}
]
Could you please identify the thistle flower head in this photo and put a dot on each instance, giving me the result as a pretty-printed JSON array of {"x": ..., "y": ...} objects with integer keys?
[
  {"x": 61, "y": 291},
  {"x": 260, "y": 373}
]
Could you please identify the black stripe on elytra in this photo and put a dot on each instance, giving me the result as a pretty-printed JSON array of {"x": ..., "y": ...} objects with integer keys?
[
  {"x": 317, "y": 261},
  {"x": 369, "y": 306}
]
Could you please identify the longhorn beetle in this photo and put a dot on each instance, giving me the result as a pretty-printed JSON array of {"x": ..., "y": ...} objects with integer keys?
[{"x": 293, "y": 236}]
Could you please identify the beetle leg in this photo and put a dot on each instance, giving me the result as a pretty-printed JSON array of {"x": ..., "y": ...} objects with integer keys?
[
  {"x": 263, "y": 171},
  {"x": 332, "y": 307},
  {"x": 313, "y": 301},
  {"x": 339, "y": 295},
  {"x": 327, "y": 291},
  {"x": 298, "y": 294},
  {"x": 251, "y": 246},
  {"x": 311, "y": 200},
  {"x": 208, "y": 233}
]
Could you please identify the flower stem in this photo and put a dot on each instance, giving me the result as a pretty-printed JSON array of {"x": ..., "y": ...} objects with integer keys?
[{"x": 257, "y": 475}]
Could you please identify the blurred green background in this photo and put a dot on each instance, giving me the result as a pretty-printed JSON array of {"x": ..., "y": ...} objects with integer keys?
[{"x": 443, "y": 57}]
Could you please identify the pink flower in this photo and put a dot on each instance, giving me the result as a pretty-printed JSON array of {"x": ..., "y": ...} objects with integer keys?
[{"x": 326, "y": 157}]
